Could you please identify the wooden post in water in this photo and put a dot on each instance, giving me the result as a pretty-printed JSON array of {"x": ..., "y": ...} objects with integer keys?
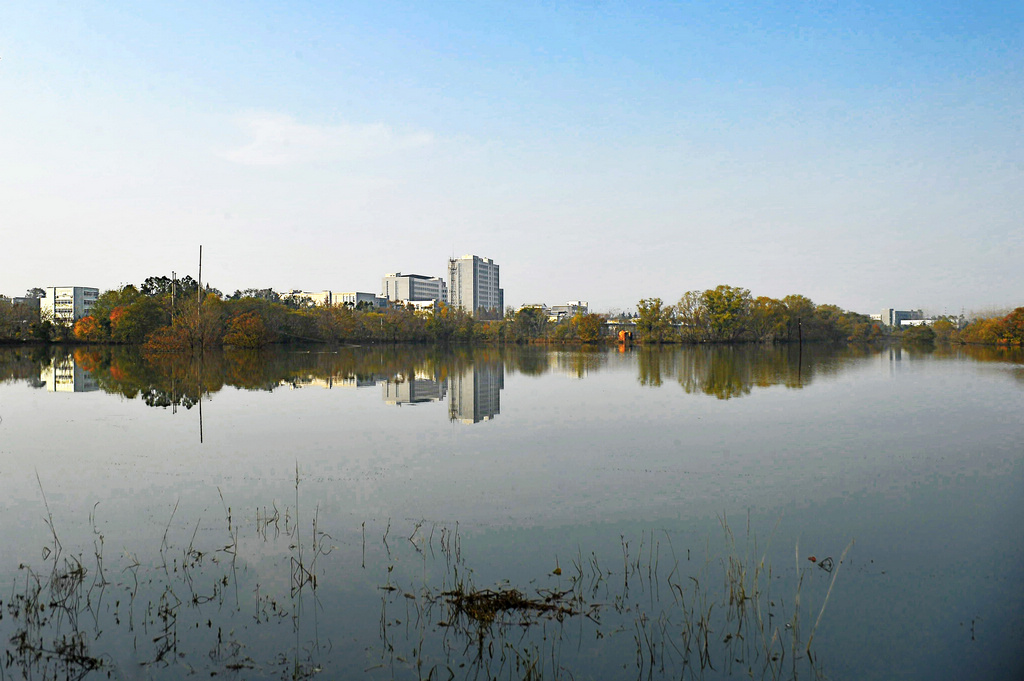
[{"x": 800, "y": 352}]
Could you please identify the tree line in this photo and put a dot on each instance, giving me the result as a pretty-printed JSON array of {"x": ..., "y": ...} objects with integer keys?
[
  {"x": 729, "y": 314},
  {"x": 163, "y": 314},
  {"x": 175, "y": 315}
]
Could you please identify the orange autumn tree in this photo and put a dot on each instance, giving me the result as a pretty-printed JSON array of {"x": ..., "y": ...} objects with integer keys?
[
  {"x": 88, "y": 329},
  {"x": 1013, "y": 325}
]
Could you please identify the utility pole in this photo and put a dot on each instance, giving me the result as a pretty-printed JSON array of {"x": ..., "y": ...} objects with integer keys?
[{"x": 199, "y": 293}]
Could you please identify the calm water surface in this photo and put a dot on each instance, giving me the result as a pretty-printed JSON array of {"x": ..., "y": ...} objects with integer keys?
[{"x": 354, "y": 512}]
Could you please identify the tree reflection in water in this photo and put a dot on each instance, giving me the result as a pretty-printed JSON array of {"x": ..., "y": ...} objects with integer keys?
[{"x": 722, "y": 371}]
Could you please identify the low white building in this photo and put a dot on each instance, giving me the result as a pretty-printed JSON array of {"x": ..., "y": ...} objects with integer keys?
[
  {"x": 312, "y": 297},
  {"x": 398, "y": 287},
  {"x": 68, "y": 304},
  {"x": 570, "y": 309},
  {"x": 354, "y": 298}
]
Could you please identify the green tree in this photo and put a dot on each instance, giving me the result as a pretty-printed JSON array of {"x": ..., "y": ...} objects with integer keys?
[
  {"x": 529, "y": 323},
  {"x": 654, "y": 320},
  {"x": 587, "y": 327},
  {"x": 799, "y": 316},
  {"x": 445, "y": 323},
  {"x": 767, "y": 318},
  {"x": 692, "y": 317},
  {"x": 156, "y": 286},
  {"x": 137, "y": 320},
  {"x": 201, "y": 324},
  {"x": 919, "y": 334},
  {"x": 728, "y": 312},
  {"x": 258, "y": 293}
]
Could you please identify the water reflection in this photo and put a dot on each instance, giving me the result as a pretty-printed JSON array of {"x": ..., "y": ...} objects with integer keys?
[
  {"x": 414, "y": 390},
  {"x": 64, "y": 374},
  {"x": 475, "y": 392},
  {"x": 470, "y": 380}
]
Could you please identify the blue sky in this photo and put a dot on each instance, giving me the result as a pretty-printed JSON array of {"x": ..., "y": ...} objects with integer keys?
[{"x": 863, "y": 155}]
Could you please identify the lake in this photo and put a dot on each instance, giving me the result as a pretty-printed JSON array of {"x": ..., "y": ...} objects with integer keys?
[{"x": 411, "y": 512}]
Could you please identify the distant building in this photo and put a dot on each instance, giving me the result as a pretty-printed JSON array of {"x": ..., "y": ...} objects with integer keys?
[
  {"x": 322, "y": 298},
  {"x": 328, "y": 298},
  {"x": 896, "y": 318},
  {"x": 354, "y": 298},
  {"x": 27, "y": 307},
  {"x": 398, "y": 287},
  {"x": 542, "y": 308},
  {"x": 32, "y": 303},
  {"x": 570, "y": 309},
  {"x": 474, "y": 286},
  {"x": 68, "y": 304}
]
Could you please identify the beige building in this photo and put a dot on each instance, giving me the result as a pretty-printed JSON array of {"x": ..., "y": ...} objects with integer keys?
[{"x": 68, "y": 303}]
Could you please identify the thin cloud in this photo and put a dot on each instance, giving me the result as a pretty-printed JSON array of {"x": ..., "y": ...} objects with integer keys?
[{"x": 279, "y": 140}]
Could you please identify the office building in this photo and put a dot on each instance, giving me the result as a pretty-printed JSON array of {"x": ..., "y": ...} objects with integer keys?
[
  {"x": 569, "y": 310},
  {"x": 357, "y": 299},
  {"x": 398, "y": 287},
  {"x": 474, "y": 286},
  {"x": 897, "y": 318},
  {"x": 68, "y": 304}
]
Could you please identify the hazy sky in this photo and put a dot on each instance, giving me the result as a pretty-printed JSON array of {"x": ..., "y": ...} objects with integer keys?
[{"x": 863, "y": 154}]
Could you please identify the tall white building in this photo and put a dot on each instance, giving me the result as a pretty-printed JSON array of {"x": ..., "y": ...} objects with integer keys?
[
  {"x": 413, "y": 287},
  {"x": 474, "y": 286},
  {"x": 68, "y": 303}
]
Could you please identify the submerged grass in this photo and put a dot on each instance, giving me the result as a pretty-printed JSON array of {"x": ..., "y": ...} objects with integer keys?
[{"x": 203, "y": 604}]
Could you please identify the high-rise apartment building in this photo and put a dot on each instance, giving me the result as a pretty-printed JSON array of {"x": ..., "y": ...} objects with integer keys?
[
  {"x": 473, "y": 286},
  {"x": 413, "y": 287}
]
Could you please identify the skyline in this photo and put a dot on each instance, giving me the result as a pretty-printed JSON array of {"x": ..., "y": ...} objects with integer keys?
[{"x": 862, "y": 156}]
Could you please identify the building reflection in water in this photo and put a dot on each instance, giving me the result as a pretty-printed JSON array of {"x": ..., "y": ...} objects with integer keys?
[
  {"x": 472, "y": 388},
  {"x": 474, "y": 395},
  {"x": 64, "y": 375},
  {"x": 332, "y": 382},
  {"x": 421, "y": 388}
]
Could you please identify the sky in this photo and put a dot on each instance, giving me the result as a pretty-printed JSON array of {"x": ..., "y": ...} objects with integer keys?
[{"x": 863, "y": 155}]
